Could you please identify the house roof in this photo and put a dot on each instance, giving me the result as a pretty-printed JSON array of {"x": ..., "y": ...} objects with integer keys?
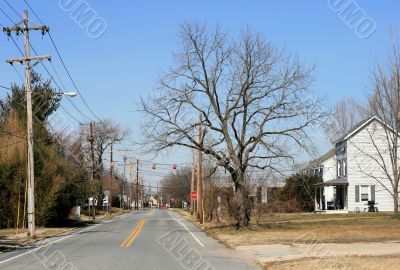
[
  {"x": 327, "y": 155},
  {"x": 324, "y": 157},
  {"x": 335, "y": 182},
  {"x": 357, "y": 128}
]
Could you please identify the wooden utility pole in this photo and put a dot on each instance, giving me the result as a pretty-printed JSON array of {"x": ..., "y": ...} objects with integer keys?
[
  {"x": 137, "y": 185},
  {"x": 111, "y": 180},
  {"x": 192, "y": 186},
  {"x": 200, "y": 175},
  {"x": 92, "y": 173},
  {"x": 91, "y": 141},
  {"x": 123, "y": 184},
  {"x": 24, "y": 27},
  {"x": 130, "y": 185}
]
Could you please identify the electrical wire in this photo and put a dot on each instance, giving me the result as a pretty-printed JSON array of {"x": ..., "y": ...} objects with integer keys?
[
  {"x": 13, "y": 9},
  {"x": 59, "y": 55},
  {"x": 11, "y": 134},
  {"x": 59, "y": 88},
  {"x": 63, "y": 62},
  {"x": 9, "y": 145},
  {"x": 8, "y": 17},
  {"x": 6, "y": 88}
]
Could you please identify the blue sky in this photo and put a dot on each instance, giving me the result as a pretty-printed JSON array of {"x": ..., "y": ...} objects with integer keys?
[{"x": 114, "y": 70}]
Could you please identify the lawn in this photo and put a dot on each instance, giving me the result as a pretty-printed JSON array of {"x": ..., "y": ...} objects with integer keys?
[
  {"x": 348, "y": 263},
  {"x": 287, "y": 228},
  {"x": 327, "y": 228}
]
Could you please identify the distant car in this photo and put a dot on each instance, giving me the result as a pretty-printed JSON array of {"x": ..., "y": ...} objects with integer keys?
[{"x": 105, "y": 203}]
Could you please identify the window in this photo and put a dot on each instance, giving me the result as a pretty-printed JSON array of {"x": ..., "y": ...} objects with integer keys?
[
  {"x": 342, "y": 168},
  {"x": 364, "y": 193}
]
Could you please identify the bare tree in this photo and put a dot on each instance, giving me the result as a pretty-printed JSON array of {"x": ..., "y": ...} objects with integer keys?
[
  {"x": 177, "y": 184},
  {"x": 384, "y": 102},
  {"x": 105, "y": 133},
  {"x": 347, "y": 113},
  {"x": 253, "y": 99}
]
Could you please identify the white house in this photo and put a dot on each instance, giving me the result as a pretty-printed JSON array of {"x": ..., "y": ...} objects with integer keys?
[{"x": 356, "y": 171}]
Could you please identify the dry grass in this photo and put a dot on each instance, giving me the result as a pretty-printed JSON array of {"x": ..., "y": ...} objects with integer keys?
[
  {"x": 287, "y": 228},
  {"x": 349, "y": 263}
]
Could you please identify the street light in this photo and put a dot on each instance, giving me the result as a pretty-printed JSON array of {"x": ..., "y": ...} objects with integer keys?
[
  {"x": 67, "y": 94},
  {"x": 70, "y": 94}
]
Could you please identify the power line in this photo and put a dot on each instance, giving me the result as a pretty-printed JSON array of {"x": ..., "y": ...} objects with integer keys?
[
  {"x": 62, "y": 62},
  {"x": 13, "y": 9},
  {"x": 11, "y": 134},
  {"x": 19, "y": 75},
  {"x": 5, "y": 87},
  {"x": 8, "y": 145},
  {"x": 70, "y": 77},
  {"x": 8, "y": 17},
  {"x": 59, "y": 88},
  {"x": 51, "y": 78},
  {"x": 65, "y": 67}
]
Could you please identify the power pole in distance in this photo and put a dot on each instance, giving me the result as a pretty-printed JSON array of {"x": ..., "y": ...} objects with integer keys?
[
  {"x": 111, "y": 180},
  {"x": 192, "y": 188},
  {"x": 123, "y": 184},
  {"x": 130, "y": 185},
  {"x": 137, "y": 185},
  {"x": 24, "y": 27},
  {"x": 92, "y": 174},
  {"x": 200, "y": 176}
]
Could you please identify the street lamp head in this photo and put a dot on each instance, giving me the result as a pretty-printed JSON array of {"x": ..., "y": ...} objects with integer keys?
[{"x": 70, "y": 94}]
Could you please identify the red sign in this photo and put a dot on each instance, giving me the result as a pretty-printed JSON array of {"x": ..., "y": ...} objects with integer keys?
[{"x": 194, "y": 195}]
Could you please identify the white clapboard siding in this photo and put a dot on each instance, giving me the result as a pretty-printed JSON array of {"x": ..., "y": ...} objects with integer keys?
[
  {"x": 361, "y": 164},
  {"x": 329, "y": 174}
]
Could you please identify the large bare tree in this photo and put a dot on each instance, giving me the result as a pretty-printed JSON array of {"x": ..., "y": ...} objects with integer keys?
[
  {"x": 254, "y": 101},
  {"x": 384, "y": 102},
  {"x": 346, "y": 114}
]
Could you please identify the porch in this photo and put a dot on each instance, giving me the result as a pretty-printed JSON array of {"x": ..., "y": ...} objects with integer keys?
[{"x": 331, "y": 197}]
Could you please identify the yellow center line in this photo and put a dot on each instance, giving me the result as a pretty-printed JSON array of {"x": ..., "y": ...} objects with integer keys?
[
  {"x": 135, "y": 233},
  {"x": 139, "y": 225},
  {"x": 130, "y": 242}
]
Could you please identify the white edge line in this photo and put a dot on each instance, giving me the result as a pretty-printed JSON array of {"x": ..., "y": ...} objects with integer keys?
[
  {"x": 186, "y": 228},
  {"x": 48, "y": 244}
]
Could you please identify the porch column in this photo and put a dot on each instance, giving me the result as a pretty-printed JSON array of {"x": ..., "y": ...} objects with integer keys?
[
  {"x": 315, "y": 199},
  {"x": 345, "y": 197},
  {"x": 320, "y": 198},
  {"x": 326, "y": 202}
]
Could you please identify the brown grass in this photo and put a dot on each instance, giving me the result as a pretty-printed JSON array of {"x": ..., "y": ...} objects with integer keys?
[
  {"x": 349, "y": 263},
  {"x": 287, "y": 228}
]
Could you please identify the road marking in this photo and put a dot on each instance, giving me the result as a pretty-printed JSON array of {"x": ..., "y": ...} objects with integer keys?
[
  {"x": 48, "y": 244},
  {"x": 186, "y": 228},
  {"x": 135, "y": 233}
]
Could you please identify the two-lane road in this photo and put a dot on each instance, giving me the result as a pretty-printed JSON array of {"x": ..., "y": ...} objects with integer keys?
[{"x": 156, "y": 239}]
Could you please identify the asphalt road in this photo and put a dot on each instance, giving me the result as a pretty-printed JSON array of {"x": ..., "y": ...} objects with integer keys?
[{"x": 154, "y": 239}]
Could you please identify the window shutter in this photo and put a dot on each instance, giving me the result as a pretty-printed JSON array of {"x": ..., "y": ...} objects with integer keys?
[
  {"x": 373, "y": 193},
  {"x": 357, "y": 193}
]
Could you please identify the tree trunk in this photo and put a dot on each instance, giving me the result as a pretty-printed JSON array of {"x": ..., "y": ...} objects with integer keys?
[
  {"x": 243, "y": 204},
  {"x": 396, "y": 202}
]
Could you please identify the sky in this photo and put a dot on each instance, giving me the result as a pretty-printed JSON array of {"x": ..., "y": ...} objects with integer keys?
[{"x": 115, "y": 69}]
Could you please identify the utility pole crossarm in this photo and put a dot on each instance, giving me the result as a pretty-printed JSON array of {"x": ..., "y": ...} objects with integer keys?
[
  {"x": 18, "y": 29},
  {"x": 36, "y": 58}
]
